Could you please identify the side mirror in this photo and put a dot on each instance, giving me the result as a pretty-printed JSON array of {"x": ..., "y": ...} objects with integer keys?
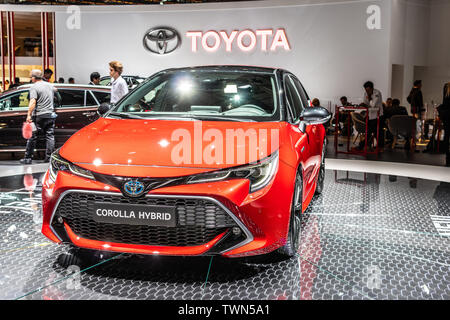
[
  {"x": 314, "y": 115},
  {"x": 103, "y": 108}
]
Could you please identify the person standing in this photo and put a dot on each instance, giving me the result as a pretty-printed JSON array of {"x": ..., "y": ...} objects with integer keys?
[
  {"x": 95, "y": 78},
  {"x": 415, "y": 98},
  {"x": 15, "y": 84},
  {"x": 41, "y": 112},
  {"x": 374, "y": 101},
  {"x": 119, "y": 86},
  {"x": 47, "y": 75},
  {"x": 444, "y": 116}
]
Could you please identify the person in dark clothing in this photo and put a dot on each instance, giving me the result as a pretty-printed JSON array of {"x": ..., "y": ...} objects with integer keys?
[
  {"x": 95, "y": 78},
  {"x": 392, "y": 108},
  {"x": 444, "y": 116},
  {"x": 344, "y": 117},
  {"x": 41, "y": 112},
  {"x": 15, "y": 84},
  {"x": 415, "y": 98},
  {"x": 395, "y": 109},
  {"x": 47, "y": 75}
]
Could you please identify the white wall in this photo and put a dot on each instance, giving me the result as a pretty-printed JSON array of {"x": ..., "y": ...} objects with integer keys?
[
  {"x": 333, "y": 52},
  {"x": 420, "y": 42},
  {"x": 438, "y": 47},
  {"x": 410, "y": 22}
]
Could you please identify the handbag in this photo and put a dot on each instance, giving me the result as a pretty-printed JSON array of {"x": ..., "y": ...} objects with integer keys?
[{"x": 27, "y": 130}]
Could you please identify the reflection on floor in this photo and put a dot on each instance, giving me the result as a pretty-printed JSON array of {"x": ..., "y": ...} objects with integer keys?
[
  {"x": 396, "y": 155},
  {"x": 367, "y": 236}
]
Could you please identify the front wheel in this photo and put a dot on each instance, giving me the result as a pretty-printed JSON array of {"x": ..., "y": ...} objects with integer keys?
[{"x": 293, "y": 240}]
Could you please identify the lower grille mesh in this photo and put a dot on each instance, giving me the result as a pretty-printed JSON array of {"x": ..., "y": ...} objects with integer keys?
[{"x": 198, "y": 220}]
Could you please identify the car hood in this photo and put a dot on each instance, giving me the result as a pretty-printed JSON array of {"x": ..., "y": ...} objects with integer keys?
[{"x": 135, "y": 147}]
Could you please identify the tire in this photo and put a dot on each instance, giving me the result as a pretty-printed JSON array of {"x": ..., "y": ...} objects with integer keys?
[
  {"x": 321, "y": 177},
  {"x": 293, "y": 240}
]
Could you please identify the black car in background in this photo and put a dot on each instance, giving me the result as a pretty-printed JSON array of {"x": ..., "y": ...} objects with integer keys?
[
  {"x": 78, "y": 108},
  {"x": 132, "y": 81}
]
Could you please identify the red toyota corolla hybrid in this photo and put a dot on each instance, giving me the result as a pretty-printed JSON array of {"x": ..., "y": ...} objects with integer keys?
[{"x": 217, "y": 160}]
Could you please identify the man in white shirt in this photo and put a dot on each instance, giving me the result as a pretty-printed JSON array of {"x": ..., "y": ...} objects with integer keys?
[
  {"x": 374, "y": 101},
  {"x": 119, "y": 86}
]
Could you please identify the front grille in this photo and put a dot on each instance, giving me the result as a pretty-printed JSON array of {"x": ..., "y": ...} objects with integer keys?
[{"x": 198, "y": 220}]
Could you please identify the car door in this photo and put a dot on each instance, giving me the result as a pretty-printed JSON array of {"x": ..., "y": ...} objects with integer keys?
[
  {"x": 13, "y": 113},
  {"x": 314, "y": 132},
  {"x": 73, "y": 112},
  {"x": 300, "y": 139}
]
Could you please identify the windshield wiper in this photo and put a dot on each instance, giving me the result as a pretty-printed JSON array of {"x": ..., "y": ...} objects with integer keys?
[
  {"x": 217, "y": 118},
  {"x": 124, "y": 115}
]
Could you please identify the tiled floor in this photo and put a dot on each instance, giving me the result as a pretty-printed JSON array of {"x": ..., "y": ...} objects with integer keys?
[{"x": 368, "y": 236}]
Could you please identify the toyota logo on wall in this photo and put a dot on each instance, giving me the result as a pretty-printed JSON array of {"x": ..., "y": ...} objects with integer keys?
[{"x": 161, "y": 40}]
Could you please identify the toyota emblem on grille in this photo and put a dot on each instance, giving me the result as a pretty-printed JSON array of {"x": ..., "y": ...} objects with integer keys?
[
  {"x": 162, "y": 40},
  {"x": 133, "y": 188}
]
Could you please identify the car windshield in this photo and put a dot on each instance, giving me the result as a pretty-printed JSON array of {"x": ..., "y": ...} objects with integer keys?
[{"x": 204, "y": 95}]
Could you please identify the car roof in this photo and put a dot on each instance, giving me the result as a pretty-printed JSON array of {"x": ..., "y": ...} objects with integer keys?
[
  {"x": 68, "y": 85},
  {"x": 241, "y": 68},
  {"x": 124, "y": 76},
  {"x": 60, "y": 86}
]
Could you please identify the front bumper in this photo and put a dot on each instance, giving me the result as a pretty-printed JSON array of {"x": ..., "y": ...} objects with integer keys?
[{"x": 261, "y": 217}]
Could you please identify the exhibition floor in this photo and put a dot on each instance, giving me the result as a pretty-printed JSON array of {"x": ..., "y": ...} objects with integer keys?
[
  {"x": 367, "y": 236},
  {"x": 398, "y": 154}
]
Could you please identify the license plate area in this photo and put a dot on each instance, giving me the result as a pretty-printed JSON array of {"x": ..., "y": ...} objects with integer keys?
[{"x": 134, "y": 214}]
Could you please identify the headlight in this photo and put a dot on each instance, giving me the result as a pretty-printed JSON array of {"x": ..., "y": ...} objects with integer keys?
[
  {"x": 259, "y": 173},
  {"x": 57, "y": 163}
]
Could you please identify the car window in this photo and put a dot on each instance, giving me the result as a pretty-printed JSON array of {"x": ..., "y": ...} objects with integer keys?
[
  {"x": 293, "y": 99},
  {"x": 301, "y": 90},
  {"x": 246, "y": 95},
  {"x": 71, "y": 98},
  {"x": 90, "y": 101},
  {"x": 16, "y": 101},
  {"x": 102, "y": 96}
]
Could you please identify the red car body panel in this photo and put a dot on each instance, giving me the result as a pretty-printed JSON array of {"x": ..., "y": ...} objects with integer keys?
[
  {"x": 140, "y": 142},
  {"x": 265, "y": 212}
]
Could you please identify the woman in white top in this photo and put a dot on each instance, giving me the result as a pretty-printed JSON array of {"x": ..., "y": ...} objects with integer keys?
[{"x": 119, "y": 86}]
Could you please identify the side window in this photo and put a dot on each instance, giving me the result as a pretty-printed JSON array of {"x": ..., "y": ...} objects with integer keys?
[
  {"x": 16, "y": 101},
  {"x": 102, "y": 96},
  {"x": 293, "y": 98},
  {"x": 90, "y": 101},
  {"x": 71, "y": 98},
  {"x": 302, "y": 92},
  {"x": 290, "y": 100}
]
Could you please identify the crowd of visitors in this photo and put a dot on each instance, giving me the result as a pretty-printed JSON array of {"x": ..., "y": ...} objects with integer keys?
[{"x": 386, "y": 111}]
